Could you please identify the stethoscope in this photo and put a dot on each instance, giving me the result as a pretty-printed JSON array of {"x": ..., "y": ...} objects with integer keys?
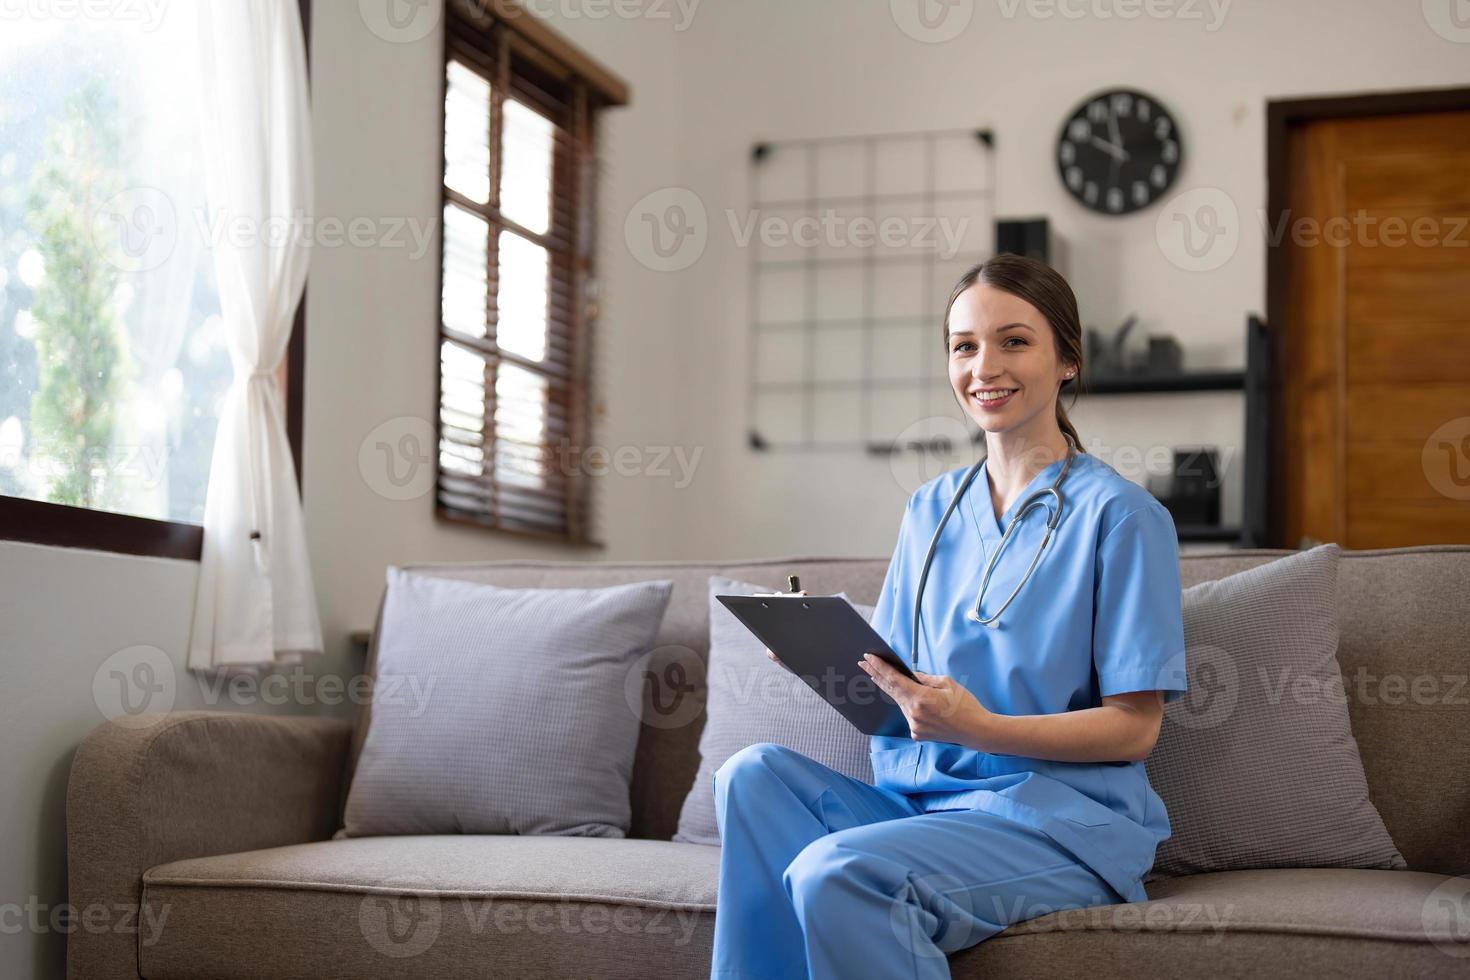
[{"x": 1037, "y": 499}]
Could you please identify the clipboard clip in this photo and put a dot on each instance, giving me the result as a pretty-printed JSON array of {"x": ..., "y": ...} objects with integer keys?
[{"x": 793, "y": 582}]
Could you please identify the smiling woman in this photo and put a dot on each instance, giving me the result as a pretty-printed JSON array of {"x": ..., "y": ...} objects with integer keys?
[{"x": 1021, "y": 779}]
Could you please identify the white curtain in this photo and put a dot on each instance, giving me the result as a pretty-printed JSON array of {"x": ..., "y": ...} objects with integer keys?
[{"x": 255, "y": 606}]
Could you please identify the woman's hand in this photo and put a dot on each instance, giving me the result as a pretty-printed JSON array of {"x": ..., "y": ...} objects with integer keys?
[{"x": 937, "y": 708}]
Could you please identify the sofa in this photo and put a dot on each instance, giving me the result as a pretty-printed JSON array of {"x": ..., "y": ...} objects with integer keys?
[{"x": 219, "y": 829}]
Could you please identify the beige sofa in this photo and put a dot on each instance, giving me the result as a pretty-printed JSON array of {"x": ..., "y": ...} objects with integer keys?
[{"x": 221, "y": 824}]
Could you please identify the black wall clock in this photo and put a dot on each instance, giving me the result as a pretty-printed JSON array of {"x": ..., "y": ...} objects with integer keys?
[{"x": 1119, "y": 151}]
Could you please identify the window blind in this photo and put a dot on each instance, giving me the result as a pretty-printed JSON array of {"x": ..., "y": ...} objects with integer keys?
[{"x": 516, "y": 303}]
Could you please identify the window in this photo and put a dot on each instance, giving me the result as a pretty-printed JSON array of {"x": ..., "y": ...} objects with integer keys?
[
  {"x": 112, "y": 355},
  {"x": 517, "y": 273}
]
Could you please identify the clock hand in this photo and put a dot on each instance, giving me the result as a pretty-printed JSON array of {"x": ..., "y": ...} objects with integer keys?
[
  {"x": 1113, "y": 127},
  {"x": 1113, "y": 150}
]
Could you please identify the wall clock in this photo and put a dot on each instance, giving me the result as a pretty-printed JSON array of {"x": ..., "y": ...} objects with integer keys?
[{"x": 1119, "y": 151}]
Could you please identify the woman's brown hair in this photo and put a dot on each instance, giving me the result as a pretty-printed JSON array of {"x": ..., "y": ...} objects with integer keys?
[{"x": 1044, "y": 288}]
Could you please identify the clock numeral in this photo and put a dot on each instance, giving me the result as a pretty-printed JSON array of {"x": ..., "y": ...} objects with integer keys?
[
  {"x": 1098, "y": 111},
  {"x": 1074, "y": 178},
  {"x": 1159, "y": 176},
  {"x": 1170, "y": 152},
  {"x": 1067, "y": 152},
  {"x": 1115, "y": 199},
  {"x": 1162, "y": 128},
  {"x": 1089, "y": 193},
  {"x": 1144, "y": 110},
  {"x": 1140, "y": 193},
  {"x": 1079, "y": 129}
]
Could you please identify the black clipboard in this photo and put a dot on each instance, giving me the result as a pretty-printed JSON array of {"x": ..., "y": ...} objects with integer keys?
[{"x": 821, "y": 638}]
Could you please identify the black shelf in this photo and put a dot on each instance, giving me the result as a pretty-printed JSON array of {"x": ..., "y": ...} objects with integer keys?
[
  {"x": 1207, "y": 532},
  {"x": 1148, "y": 384}
]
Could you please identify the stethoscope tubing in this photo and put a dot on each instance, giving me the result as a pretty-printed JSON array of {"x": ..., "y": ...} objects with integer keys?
[{"x": 1034, "y": 500}]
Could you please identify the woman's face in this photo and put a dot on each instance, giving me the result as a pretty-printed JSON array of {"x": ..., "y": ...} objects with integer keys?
[{"x": 1003, "y": 361}]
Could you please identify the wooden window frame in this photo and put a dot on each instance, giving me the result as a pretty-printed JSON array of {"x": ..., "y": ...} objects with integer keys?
[
  {"x": 489, "y": 36},
  {"x": 64, "y": 526}
]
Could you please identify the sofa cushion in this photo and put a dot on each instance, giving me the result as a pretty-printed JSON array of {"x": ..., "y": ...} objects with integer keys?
[
  {"x": 1257, "y": 766},
  {"x": 503, "y": 710},
  {"x": 435, "y": 906},
  {"x": 472, "y": 905},
  {"x": 752, "y": 700}
]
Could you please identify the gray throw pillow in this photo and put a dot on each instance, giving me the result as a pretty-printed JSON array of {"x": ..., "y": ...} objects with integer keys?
[
  {"x": 501, "y": 711},
  {"x": 754, "y": 700},
  {"x": 1257, "y": 765}
]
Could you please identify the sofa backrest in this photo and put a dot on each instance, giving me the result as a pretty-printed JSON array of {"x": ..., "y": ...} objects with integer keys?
[{"x": 1404, "y": 656}]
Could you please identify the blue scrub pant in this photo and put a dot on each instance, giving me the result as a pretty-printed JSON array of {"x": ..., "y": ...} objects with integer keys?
[{"x": 823, "y": 875}]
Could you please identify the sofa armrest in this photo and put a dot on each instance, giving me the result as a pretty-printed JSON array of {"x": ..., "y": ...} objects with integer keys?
[{"x": 192, "y": 784}]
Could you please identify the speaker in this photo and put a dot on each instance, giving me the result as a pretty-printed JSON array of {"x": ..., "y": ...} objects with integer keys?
[{"x": 1024, "y": 236}]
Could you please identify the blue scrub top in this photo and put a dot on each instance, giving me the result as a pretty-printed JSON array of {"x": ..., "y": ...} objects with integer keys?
[{"x": 1101, "y": 614}]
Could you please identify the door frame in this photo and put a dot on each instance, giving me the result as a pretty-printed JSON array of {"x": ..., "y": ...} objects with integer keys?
[{"x": 1282, "y": 116}]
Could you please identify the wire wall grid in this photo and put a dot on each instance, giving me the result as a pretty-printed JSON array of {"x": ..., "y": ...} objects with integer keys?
[{"x": 855, "y": 244}]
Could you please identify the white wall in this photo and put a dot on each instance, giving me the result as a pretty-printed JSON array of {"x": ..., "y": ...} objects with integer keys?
[
  {"x": 671, "y": 347},
  {"x": 767, "y": 69}
]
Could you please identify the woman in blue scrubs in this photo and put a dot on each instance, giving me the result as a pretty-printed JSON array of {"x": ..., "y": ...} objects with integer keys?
[{"x": 1022, "y": 790}]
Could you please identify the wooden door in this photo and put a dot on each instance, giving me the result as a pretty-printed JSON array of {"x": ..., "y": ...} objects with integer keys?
[{"x": 1375, "y": 380}]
